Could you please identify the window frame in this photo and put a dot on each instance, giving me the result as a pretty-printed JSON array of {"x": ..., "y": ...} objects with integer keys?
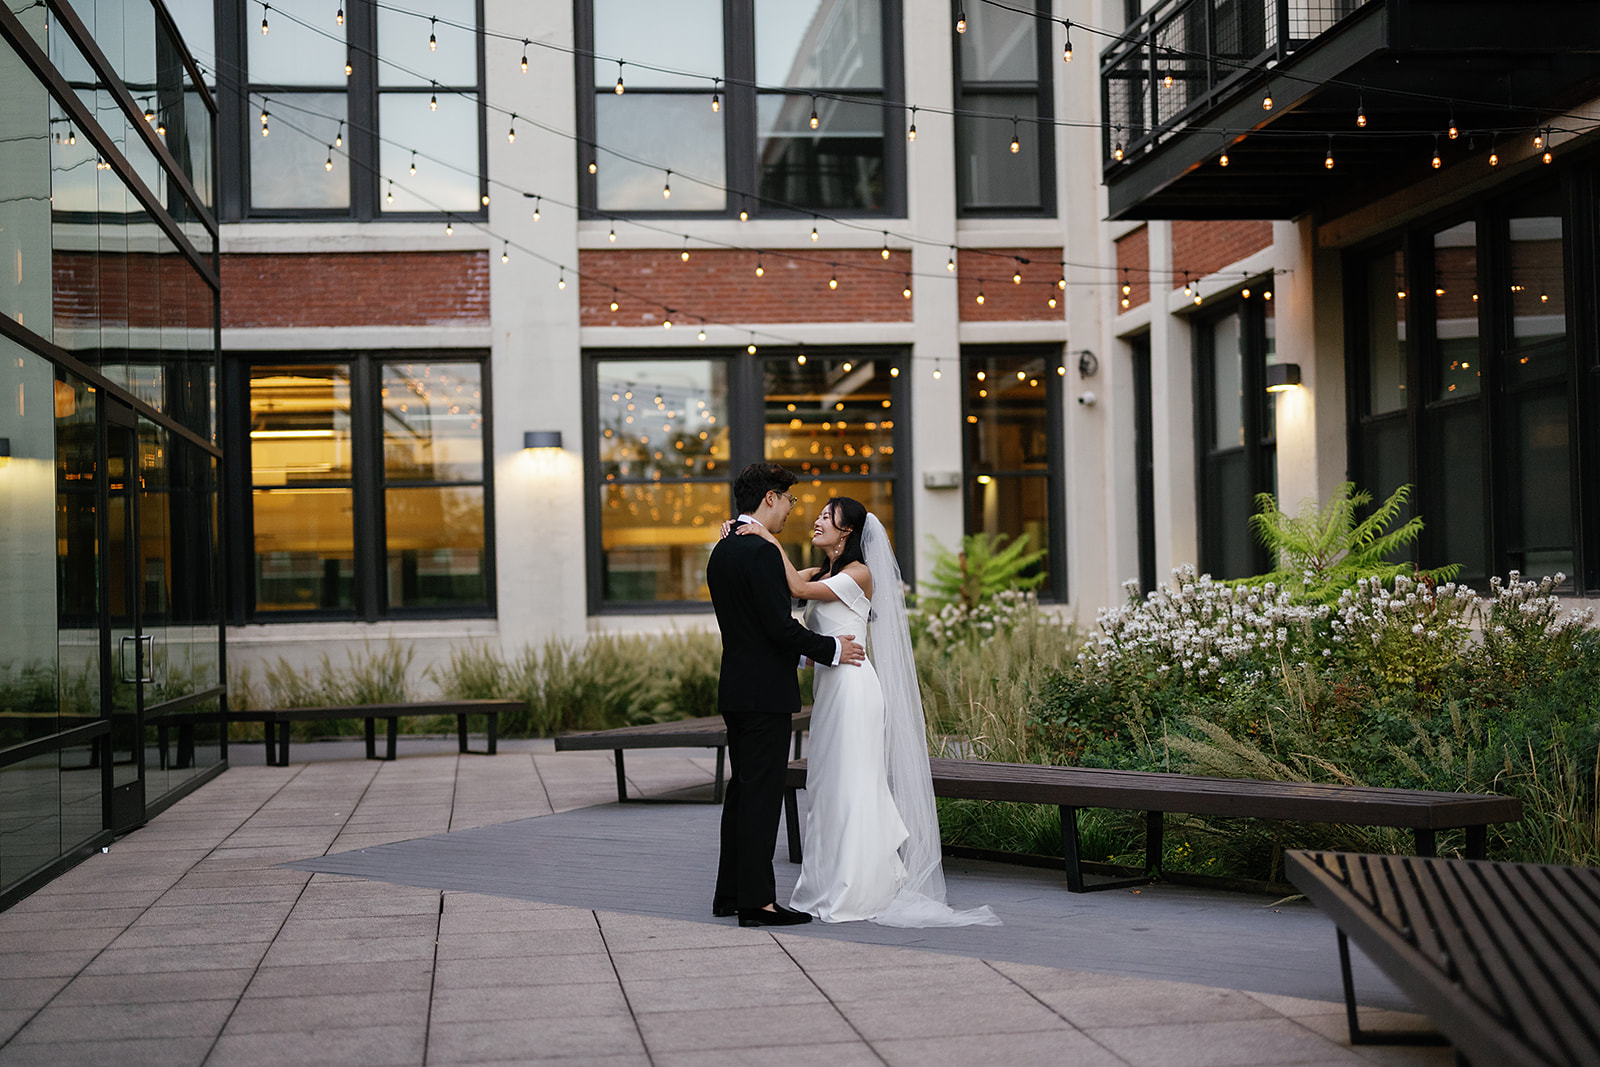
[
  {"x": 747, "y": 410},
  {"x": 741, "y": 177},
  {"x": 1259, "y": 428},
  {"x": 1041, "y": 89},
  {"x": 369, "y": 485},
  {"x": 362, "y": 93}
]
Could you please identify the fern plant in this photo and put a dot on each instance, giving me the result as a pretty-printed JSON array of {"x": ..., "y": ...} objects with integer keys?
[
  {"x": 1325, "y": 550},
  {"x": 986, "y": 565}
]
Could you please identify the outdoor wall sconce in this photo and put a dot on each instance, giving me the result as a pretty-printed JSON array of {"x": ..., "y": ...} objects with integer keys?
[
  {"x": 541, "y": 439},
  {"x": 1281, "y": 377},
  {"x": 5, "y": 451},
  {"x": 1087, "y": 364}
]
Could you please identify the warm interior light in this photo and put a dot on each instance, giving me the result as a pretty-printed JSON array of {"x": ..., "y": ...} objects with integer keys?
[{"x": 289, "y": 435}]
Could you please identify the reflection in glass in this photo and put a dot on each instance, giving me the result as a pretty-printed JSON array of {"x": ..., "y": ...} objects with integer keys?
[
  {"x": 999, "y": 45},
  {"x": 1227, "y": 382},
  {"x": 435, "y": 546},
  {"x": 991, "y": 175},
  {"x": 1543, "y": 526},
  {"x": 1007, "y": 424},
  {"x": 289, "y": 169},
  {"x": 25, "y": 216},
  {"x": 1013, "y": 506},
  {"x": 673, "y": 130},
  {"x": 403, "y": 44},
  {"x": 685, "y": 35},
  {"x": 303, "y": 46},
  {"x": 432, "y": 422},
  {"x": 304, "y": 549},
  {"x": 1455, "y": 293},
  {"x": 655, "y": 539},
  {"x": 837, "y": 165},
  {"x": 829, "y": 417},
  {"x": 1386, "y": 333},
  {"x": 1538, "y": 288},
  {"x": 447, "y": 179},
  {"x": 819, "y": 43},
  {"x": 662, "y": 419},
  {"x": 30, "y": 816},
  {"x": 299, "y": 423}
]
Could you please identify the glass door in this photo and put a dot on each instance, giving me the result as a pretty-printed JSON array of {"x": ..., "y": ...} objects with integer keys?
[{"x": 129, "y": 653}]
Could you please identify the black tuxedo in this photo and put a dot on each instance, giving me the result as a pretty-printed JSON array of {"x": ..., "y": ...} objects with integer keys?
[{"x": 757, "y": 693}]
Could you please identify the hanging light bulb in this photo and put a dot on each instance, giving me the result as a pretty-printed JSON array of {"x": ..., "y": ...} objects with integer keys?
[
  {"x": 961, "y": 20},
  {"x": 814, "y": 234},
  {"x": 338, "y": 18},
  {"x": 951, "y": 264},
  {"x": 149, "y": 113},
  {"x": 760, "y": 270},
  {"x": 815, "y": 122},
  {"x": 666, "y": 187},
  {"x": 1116, "y": 153},
  {"x": 1188, "y": 289},
  {"x": 389, "y": 197},
  {"x": 980, "y": 291},
  {"x": 328, "y": 163},
  {"x": 614, "y": 303},
  {"x": 433, "y": 42},
  {"x": 536, "y": 202},
  {"x": 264, "y": 9},
  {"x": 1361, "y": 114},
  {"x": 744, "y": 216},
  {"x": 1327, "y": 161},
  {"x": 1266, "y": 101},
  {"x": 1437, "y": 162},
  {"x": 561, "y": 277},
  {"x": 505, "y": 252},
  {"x": 612, "y": 236},
  {"x": 593, "y": 166},
  {"x": 1547, "y": 157},
  {"x": 1016, "y": 145},
  {"x": 1061, "y": 282},
  {"x": 702, "y": 334},
  {"x": 1166, "y": 79},
  {"x": 885, "y": 252},
  {"x": 511, "y": 131},
  {"x": 833, "y": 279},
  {"x": 684, "y": 255},
  {"x": 433, "y": 101},
  {"x": 1197, "y": 296},
  {"x": 619, "y": 90},
  {"x": 1016, "y": 277},
  {"x": 1066, "y": 47},
  {"x": 525, "y": 43},
  {"x": 413, "y": 161},
  {"x": 911, "y": 133},
  {"x": 348, "y": 69},
  {"x": 1222, "y": 160},
  {"x": 666, "y": 323},
  {"x": 1052, "y": 300},
  {"x": 906, "y": 292},
  {"x": 338, "y": 136},
  {"x": 449, "y": 227},
  {"x": 937, "y": 374},
  {"x": 751, "y": 347},
  {"x": 801, "y": 359},
  {"x": 1453, "y": 132},
  {"x": 716, "y": 95}
]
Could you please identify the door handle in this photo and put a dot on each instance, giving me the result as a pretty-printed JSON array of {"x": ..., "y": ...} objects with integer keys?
[{"x": 144, "y": 654}]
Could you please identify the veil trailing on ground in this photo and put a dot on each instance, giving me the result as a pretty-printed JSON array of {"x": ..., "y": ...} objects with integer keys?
[{"x": 921, "y": 899}]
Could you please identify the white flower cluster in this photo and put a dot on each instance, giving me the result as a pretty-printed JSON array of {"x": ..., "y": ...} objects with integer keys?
[
  {"x": 1000, "y": 614},
  {"x": 1202, "y": 629},
  {"x": 1371, "y": 611},
  {"x": 1525, "y": 605}
]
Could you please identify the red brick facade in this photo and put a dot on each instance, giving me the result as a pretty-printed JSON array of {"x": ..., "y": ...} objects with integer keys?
[
  {"x": 1004, "y": 300},
  {"x": 721, "y": 286},
  {"x": 1202, "y": 247},
  {"x": 140, "y": 290},
  {"x": 355, "y": 289},
  {"x": 1133, "y": 261}
]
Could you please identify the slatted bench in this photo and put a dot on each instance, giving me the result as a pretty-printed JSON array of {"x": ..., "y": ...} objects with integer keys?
[
  {"x": 1504, "y": 958},
  {"x": 277, "y": 720},
  {"x": 1153, "y": 792},
  {"x": 706, "y": 732}
]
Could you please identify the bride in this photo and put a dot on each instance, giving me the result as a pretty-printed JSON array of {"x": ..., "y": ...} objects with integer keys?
[{"x": 871, "y": 841}]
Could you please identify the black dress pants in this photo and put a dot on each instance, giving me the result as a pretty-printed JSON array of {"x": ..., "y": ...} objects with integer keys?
[{"x": 758, "y": 757}]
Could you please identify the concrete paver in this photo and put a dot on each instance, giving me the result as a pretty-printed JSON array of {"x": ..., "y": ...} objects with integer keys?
[{"x": 190, "y": 942}]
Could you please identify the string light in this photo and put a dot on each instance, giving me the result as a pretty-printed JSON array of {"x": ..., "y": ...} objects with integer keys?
[
  {"x": 702, "y": 334},
  {"x": 961, "y": 20},
  {"x": 1547, "y": 156},
  {"x": 666, "y": 187},
  {"x": 338, "y": 18},
  {"x": 1188, "y": 289},
  {"x": 1361, "y": 113},
  {"x": 951, "y": 265},
  {"x": 911, "y": 134},
  {"x": 525, "y": 43},
  {"x": 612, "y": 236},
  {"x": 1052, "y": 300},
  {"x": 338, "y": 136},
  {"x": 433, "y": 99},
  {"x": 1197, "y": 295},
  {"x": 614, "y": 302},
  {"x": 716, "y": 95},
  {"x": 815, "y": 122},
  {"x": 906, "y": 292},
  {"x": 511, "y": 132},
  {"x": 328, "y": 163},
  {"x": 801, "y": 359},
  {"x": 833, "y": 280},
  {"x": 666, "y": 321},
  {"x": 1327, "y": 160},
  {"x": 885, "y": 252},
  {"x": 1494, "y": 156},
  {"x": 348, "y": 69},
  {"x": 1266, "y": 101},
  {"x": 561, "y": 277},
  {"x": 505, "y": 251},
  {"x": 1453, "y": 132},
  {"x": 449, "y": 227},
  {"x": 1066, "y": 48},
  {"x": 389, "y": 197},
  {"x": 413, "y": 161},
  {"x": 760, "y": 270},
  {"x": 1437, "y": 162},
  {"x": 751, "y": 347},
  {"x": 536, "y": 202},
  {"x": 1016, "y": 145},
  {"x": 1116, "y": 153},
  {"x": 619, "y": 90},
  {"x": 937, "y": 373},
  {"x": 149, "y": 113},
  {"x": 433, "y": 42},
  {"x": 1016, "y": 277},
  {"x": 814, "y": 234},
  {"x": 593, "y": 165},
  {"x": 684, "y": 255},
  {"x": 264, "y": 9},
  {"x": 980, "y": 291}
]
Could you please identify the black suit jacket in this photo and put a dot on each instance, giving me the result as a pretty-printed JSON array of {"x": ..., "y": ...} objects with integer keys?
[{"x": 761, "y": 641}]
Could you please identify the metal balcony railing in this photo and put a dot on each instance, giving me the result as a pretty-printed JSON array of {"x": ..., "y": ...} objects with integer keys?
[{"x": 1183, "y": 56}]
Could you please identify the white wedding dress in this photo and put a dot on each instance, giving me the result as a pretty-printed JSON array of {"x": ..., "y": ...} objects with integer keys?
[{"x": 860, "y": 860}]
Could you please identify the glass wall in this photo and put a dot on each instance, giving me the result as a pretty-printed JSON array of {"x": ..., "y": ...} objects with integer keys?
[{"x": 111, "y": 662}]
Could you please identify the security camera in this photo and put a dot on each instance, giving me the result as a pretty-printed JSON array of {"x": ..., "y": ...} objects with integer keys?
[{"x": 1086, "y": 399}]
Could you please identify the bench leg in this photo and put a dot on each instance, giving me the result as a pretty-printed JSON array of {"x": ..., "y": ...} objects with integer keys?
[
  {"x": 1072, "y": 853},
  {"x": 716, "y": 787},
  {"x": 461, "y": 732},
  {"x": 283, "y": 744},
  {"x": 1426, "y": 845},
  {"x": 622, "y": 779},
  {"x": 1152, "y": 842},
  {"x": 791, "y": 819},
  {"x": 394, "y": 732},
  {"x": 1069, "y": 848},
  {"x": 797, "y": 744},
  {"x": 492, "y": 728},
  {"x": 1477, "y": 842},
  {"x": 269, "y": 729},
  {"x": 1358, "y": 1036},
  {"x": 372, "y": 738}
]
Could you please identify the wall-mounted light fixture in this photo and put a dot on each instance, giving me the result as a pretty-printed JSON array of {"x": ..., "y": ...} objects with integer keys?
[
  {"x": 1087, "y": 364},
  {"x": 1281, "y": 377},
  {"x": 541, "y": 439},
  {"x": 5, "y": 451}
]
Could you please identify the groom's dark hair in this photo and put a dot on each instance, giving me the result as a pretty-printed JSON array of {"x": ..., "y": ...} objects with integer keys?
[{"x": 756, "y": 481}]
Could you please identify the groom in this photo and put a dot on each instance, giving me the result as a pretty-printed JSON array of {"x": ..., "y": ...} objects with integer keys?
[{"x": 758, "y": 692}]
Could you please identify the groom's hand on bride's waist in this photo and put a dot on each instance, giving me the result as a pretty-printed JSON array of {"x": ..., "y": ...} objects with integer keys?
[{"x": 850, "y": 651}]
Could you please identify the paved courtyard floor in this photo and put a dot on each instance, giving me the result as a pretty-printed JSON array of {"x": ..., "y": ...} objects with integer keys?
[{"x": 447, "y": 909}]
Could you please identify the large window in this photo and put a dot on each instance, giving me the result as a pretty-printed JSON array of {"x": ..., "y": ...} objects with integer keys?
[
  {"x": 780, "y": 106},
  {"x": 368, "y": 491},
  {"x": 368, "y": 112},
  {"x": 1237, "y": 433},
  {"x": 1002, "y": 71},
  {"x": 666, "y": 435},
  {"x": 1011, "y": 418},
  {"x": 1472, "y": 405}
]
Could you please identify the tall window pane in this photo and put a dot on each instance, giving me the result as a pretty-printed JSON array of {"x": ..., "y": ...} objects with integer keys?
[
  {"x": 430, "y": 155},
  {"x": 685, "y": 35},
  {"x": 303, "y": 46},
  {"x": 1008, "y": 446},
  {"x": 673, "y": 129},
  {"x": 407, "y": 58},
  {"x": 289, "y": 167},
  {"x": 1386, "y": 333},
  {"x": 1538, "y": 289},
  {"x": 1455, "y": 294},
  {"x": 1002, "y": 89},
  {"x": 834, "y": 44},
  {"x": 432, "y": 422},
  {"x": 1227, "y": 383}
]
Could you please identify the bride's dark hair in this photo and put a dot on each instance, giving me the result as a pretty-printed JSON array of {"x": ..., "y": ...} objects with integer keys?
[{"x": 848, "y": 513}]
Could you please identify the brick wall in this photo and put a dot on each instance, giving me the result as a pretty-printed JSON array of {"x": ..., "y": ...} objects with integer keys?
[
  {"x": 721, "y": 286},
  {"x": 1203, "y": 247},
  {"x": 1133, "y": 257},
  {"x": 355, "y": 289},
  {"x": 141, "y": 290},
  {"x": 991, "y": 272}
]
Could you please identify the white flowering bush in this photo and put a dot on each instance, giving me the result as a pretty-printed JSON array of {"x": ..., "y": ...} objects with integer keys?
[
  {"x": 949, "y": 622},
  {"x": 1404, "y": 633},
  {"x": 1526, "y": 630}
]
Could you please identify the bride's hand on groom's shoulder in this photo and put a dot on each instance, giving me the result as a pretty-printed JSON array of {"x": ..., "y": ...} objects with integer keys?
[
  {"x": 727, "y": 528},
  {"x": 757, "y": 530}
]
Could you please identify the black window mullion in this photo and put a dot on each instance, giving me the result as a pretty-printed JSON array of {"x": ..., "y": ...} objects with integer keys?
[
  {"x": 367, "y": 525},
  {"x": 739, "y": 122},
  {"x": 361, "y": 106}
]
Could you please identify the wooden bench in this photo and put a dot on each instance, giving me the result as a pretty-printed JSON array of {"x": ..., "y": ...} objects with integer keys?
[
  {"x": 707, "y": 732},
  {"x": 277, "y": 720},
  {"x": 1504, "y": 958},
  {"x": 1153, "y": 792}
]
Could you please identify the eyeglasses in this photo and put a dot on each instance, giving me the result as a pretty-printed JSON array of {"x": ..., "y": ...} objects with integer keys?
[{"x": 790, "y": 497}]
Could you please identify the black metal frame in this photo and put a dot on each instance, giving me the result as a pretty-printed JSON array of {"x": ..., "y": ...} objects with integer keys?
[
  {"x": 738, "y": 88},
  {"x": 367, "y": 484},
  {"x": 361, "y": 91},
  {"x": 1144, "y": 459},
  {"x": 1055, "y": 473},
  {"x": 746, "y": 411},
  {"x": 1042, "y": 91}
]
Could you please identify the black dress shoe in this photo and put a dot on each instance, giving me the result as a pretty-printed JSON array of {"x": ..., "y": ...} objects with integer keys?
[
  {"x": 781, "y": 917},
  {"x": 723, "y": 910}
]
